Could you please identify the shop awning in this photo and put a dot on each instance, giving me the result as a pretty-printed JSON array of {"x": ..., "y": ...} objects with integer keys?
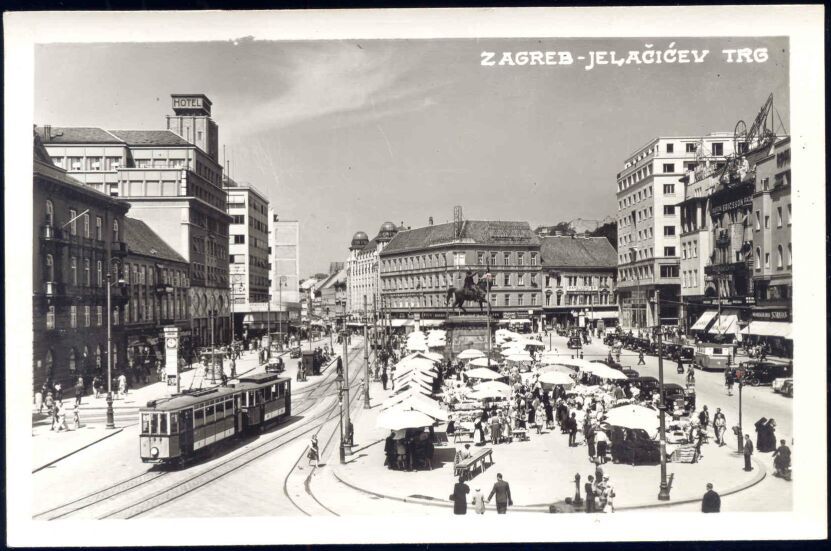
[
  {"x": 727, "y": 324},
  {"x": 354, "y": 324},
  {"x": 769, "y": 329},
  {"x": 431, "y": 323},
  {"x": 704, "y": 320},
  {"x": 507, "y": 322},
  {"x": 605, "y": 315}
]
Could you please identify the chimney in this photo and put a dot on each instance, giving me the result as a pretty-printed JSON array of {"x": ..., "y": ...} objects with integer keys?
[
  {"x": 47, "y": 132},
  {"x": 430, "y": 221}
]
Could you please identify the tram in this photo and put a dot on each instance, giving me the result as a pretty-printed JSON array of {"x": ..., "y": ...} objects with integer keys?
[{"x": 176, "y": 429}]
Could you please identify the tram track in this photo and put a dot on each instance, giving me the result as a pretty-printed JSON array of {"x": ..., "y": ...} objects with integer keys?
[{"x": 190, "y": 483}]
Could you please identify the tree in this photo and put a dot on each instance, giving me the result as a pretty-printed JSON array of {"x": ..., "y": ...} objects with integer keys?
[{"x": 607, "y": 230}]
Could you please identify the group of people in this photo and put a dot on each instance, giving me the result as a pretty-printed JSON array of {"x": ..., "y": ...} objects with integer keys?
[
  {"x": 501, "y": 491},
  {"x": 409, "y": 451}
]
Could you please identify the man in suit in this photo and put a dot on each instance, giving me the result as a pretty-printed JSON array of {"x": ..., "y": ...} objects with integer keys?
[
  {"x": 711, "y": 502},
  {"x": 590, "y": 508},
  {"x": 459, "y": 497},
  {"x": 502, "y": 490},
  {"x": 747, "y": 451}
]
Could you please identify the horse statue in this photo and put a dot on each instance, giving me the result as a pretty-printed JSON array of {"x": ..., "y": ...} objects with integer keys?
[{"x": 477, "y": 293}]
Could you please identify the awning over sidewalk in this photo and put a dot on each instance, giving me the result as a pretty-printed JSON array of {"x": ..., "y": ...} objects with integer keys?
[
  {"x": 431, "y": 323},
  {"x": 726, "y": 324},
  {"x": 704, "y": 320},
  {"x": 769, "y": 329}
]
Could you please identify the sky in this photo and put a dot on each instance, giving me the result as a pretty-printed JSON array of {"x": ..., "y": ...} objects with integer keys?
[{"x": 344, "y": 135}]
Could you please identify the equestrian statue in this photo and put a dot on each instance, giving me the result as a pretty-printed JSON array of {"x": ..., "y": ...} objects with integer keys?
[{"x": 475, "y": 292}]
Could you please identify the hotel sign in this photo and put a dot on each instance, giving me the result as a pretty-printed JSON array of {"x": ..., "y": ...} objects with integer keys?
[
  {"x": 730, "y": 205},
  {"x": 187, "y": 102}
]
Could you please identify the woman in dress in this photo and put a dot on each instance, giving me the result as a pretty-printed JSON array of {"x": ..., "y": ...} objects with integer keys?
[{"x": 314, "y": 451}]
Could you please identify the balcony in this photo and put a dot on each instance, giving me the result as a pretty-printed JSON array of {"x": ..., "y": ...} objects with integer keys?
[
  {"x": 54, "y": 289},
  {"x": 119, "y": 248},
  {"x": 722, "y": 238},
  {"x": 51, "y": 233}
]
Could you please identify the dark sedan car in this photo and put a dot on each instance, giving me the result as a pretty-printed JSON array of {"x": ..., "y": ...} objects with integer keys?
[{"x": 763, "y": 373}]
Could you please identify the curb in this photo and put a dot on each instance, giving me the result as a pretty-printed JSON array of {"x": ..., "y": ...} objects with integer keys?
[
  {"x": 761, "y": 473},
  {"x": 110, "y": 434}
]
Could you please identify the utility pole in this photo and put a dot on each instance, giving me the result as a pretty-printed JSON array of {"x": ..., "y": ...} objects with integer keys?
[
  {"x": 366, "y": 359},
  {"x": 663, "y": 493},
  {"x": 211, "y": 316},
  {"x": 488, "y": 300}
]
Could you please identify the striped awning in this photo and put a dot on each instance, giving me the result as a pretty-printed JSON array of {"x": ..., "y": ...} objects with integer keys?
[
  {"x": 769, "y": 329},
  {"x": 704, "y": 320}
]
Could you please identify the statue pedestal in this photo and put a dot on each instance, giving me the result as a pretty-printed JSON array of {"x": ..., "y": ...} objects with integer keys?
[{"x": 468, "y": 331}]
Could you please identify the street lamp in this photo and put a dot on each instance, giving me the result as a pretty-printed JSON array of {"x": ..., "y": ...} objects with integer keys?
[
  {"x": 120, "y": 281},
  {"x": 663, "y": 493},
  {"x": 339, "y": 383}
]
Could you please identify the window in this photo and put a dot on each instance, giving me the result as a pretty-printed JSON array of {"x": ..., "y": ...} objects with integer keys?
[
  {"x": 73, "y": 316},
  {"x": 790, "y": 257},
  {"x": 99, "y": 315},
  {"x": 520, "y": 259},
  {"x": 520, "y": 299},
  {"x": 480, "y": 258},
  {"x": 669, "y": 271},
  {"x": 767, "y": 260},
  {"x": 670, "y": 148},
  {"x": 99, "y": 274},
  {"x": 690, "y": 147},
  {"x": 669, "y": 251},
  {"x": 520, "y": 279},
  {"x": 73, "y": 224},
  {"x": 779, "y": 256},
  {"x": 50, "y": 213},
  {"x": 99, "y": 223},
  {"x": 758, "y": 258},
  {"x": 115, "y": 315},
  {"x": 87, "y": 320},
  {"x": 534, "y": 299},
  {"x": 789, "y": 214},
  {"x": 669, "y": 231},
  {"x": 86, "y": 225},
  {"x": 778, "y": 217},
  {"x": 507, "y": 280},
  {"x": 50, "y": 268},
  {"x": 493, "y": 259},
  {"x": 669, "y": 209},
  {"x": 73, "y": 270},
  {"x": 115, "y": 231},
  {"x": 767, "y": 222},
  {"x": 507, "y": 300},
  {"x": 533, "y": 259},
  {"x": 238, "y": 219},
  {"x": 669, "y": 188},
  {"x": 717, "y": 148},
  {"x": 758, "y": 221},
  {"x": 239, "y": 239},
  {"x": 669, "y": 168},
  {"x": 506, "y": 257},
  {"x": 72, "y": 360},
  {"x": 50, "y": 317}
]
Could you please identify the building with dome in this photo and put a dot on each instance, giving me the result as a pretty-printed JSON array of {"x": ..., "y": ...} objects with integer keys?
[{"x": 362, "y": 274}]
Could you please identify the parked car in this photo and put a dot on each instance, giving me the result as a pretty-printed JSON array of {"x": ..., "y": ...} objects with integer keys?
[
  {"x": 634, "y": 447},
  {"x": 783, "y": 386},
  {"x": 631, "y": 373},
  {"x": 295, "y": 352},
  {"x": 573, "y": 342},
  {"x": 764, "y": 373},
  {"x": 647, "y": 385}
]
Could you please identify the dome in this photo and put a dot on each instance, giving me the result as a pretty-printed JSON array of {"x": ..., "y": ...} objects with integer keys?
[
  {"x": 387, "y": 231},
  {"x": 359, "y": 240}
]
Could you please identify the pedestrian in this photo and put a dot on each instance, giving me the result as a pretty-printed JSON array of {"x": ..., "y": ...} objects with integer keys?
[
  {"x": 711, "y": 502},
  {"x": 478, "y": 502},
  {"x": 719, "y": 426},
  {"x": 233, "y": 368},
  {"x": 58, "y": 392},
  {"x": 122, "y": 385},
  {"x": 76, "y": 418},
  {"x": 608, "y": 496},
  {"x": 602, "y": 444},
  {"x": 495, "y": 432},
  {"x": 782, "y": 459},
  {"x": 640, "y": 358},
  {"x": 60, "y": 416},
  {"x": 389, "y": 451},
  {"x": 459, "y": 497},
  {"x": 50, "y": 409},
  {"x": 96, "y": 385},
  {"x": 314, "y": 451},
  {"x": 729, "y": 380},
  {"x": 572, "y": 430},
  {"x": 590, "y": 503},
  {"x": 747, "y": 452},
  {"x": 502, "y": 491},
  {"x": 704, "y": 418},
  {"x": 39, "y": 401},
  {"x": 384, "y": 379}
]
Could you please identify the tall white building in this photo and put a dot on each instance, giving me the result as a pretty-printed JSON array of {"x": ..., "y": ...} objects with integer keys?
[
  {"x": 284, "y": 260},
  {"x": 649, "y": 190},
  {"x": 247, "y": 243}
]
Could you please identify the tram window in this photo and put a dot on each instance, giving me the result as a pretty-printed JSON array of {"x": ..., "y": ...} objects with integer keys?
[
  {"x": 154, "y": 423},
  {"x": 145, "y": 423},
  {"x": 252, "y": 399},
  {"x": 174, "y": 423},
  {"x": 209, "y": 415},
  {"x": 198, "y": 417},
  {"x": 220, "y": 410},
  {"x": 163, "y": 423},
  {"x": 267, "y": 393},
  {"x": 229, "y": 406}
]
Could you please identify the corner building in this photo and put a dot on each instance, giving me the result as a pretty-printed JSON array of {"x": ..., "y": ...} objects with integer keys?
[
  {"x": 418, "y": 266},
  {"x": 172, "y": 180}
]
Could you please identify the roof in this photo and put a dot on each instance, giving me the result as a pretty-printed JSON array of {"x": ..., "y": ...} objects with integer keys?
[
  {"x": 480, "y": 232},
  {"x": 308, "y": 284},
  {"x": 581, "y": 252},
  {"x": 92, "y": 135},
  {"x": 71, "y": 135},
  {"x": 337, "y": 277},
  {"x": 149, "y": 137},
  {"x": 144, "y": 241}
]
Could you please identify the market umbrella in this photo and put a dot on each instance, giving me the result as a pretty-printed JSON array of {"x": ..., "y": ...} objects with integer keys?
[
  {"x": 399, "y": 418},
  {"x": 633, "y": 416},
  {"x": 556, "y": 378},
  {"x": 520, "y": 357},
  {"x": 536, "y": 344},
  {"x": 493, "y": 386},
  {"x": 416, "y": 375},
  {"x": 488, "y": 394},
  {"x": 416, "y": 346},
  {"x": 509, "y": 351},
  {"x": 414, "y": 387},
  {"x": 433, "y": 356},
  {"x": 421, "y": 363},
  {"x": 604, "y": 371},
  {"x": 470, "y": 354},
  {"x": 483, "y": 362},
  {"x": 556, "y": 368},
  {"x": 482, "y": 373}
]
